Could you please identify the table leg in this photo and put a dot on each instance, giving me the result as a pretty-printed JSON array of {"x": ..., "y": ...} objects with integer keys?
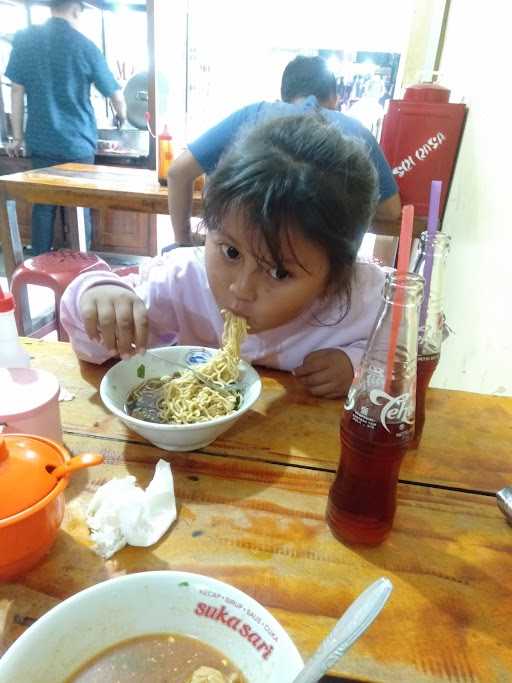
[
  {"x": 385, "y": 250},
  {"x": 10, "y": 234},
  {"x": 13, "y": 256},
  {"x": 76, "y": 222}
]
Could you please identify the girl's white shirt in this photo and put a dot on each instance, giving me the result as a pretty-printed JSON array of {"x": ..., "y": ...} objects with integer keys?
[{"x": 182, "y": 310}]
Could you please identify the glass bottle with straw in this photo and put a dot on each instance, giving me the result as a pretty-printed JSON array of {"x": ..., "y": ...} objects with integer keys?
[
  {"x": 378, "y": 420},
  {"x": 431, "y": 264}
]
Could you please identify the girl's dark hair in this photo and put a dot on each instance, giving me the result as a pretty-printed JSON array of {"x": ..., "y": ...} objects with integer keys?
[{"x": 298, "y": 173}]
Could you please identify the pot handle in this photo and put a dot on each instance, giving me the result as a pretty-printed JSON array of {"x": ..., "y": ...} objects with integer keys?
[{"x": 77, "y": 463}]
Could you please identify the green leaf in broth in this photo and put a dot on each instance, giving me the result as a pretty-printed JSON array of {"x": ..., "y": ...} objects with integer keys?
[{"x": 141, "y": 371}]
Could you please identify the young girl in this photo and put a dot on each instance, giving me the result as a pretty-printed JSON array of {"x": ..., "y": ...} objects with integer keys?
[{"x": 285, "y": 213}]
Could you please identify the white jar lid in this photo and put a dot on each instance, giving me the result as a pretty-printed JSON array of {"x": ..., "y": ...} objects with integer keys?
[{"x": 23, "y": 391}]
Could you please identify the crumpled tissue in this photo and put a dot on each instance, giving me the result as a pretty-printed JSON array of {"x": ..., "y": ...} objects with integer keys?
[{"x": 122, "y": 513}]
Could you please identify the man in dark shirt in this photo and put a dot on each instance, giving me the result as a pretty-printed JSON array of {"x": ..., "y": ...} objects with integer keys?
[{"x": 55, "y": 65}]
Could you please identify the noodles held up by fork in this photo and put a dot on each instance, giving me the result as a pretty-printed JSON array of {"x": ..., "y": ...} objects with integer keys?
[{"x": 185, "y": 399}]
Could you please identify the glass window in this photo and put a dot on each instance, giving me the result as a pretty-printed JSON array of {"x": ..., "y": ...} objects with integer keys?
[
  {"x": 242, "y": 60},
  {"x": 90, "y": 25},
  {"x": 39, "y": 14},
  {"x": 126, "y": 46},
  {"x": 13, "y": 17}
]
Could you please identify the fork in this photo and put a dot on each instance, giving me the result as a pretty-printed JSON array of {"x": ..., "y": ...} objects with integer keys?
[{"x": 231, "y": 388}]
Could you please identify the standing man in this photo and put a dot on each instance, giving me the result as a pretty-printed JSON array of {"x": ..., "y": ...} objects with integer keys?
[
  {"x": 307, "y": 86},
  {"x": 55, "y": 65}
]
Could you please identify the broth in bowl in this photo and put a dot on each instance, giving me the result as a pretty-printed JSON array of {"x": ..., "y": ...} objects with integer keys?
[
  {"x": 179, "y": 399},
  {"x": 156, "y": 604},
  {"x": 143, "y": 401},
  {"x": 159, "y": 658}
]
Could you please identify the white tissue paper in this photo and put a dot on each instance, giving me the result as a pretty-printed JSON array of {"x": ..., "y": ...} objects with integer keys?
[{"x": 121, "y": 513}]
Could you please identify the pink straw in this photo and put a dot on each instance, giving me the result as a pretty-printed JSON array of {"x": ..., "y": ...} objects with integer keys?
[
  {"x": 404, "y": 248},
  {"x": 404, "y": 254}
]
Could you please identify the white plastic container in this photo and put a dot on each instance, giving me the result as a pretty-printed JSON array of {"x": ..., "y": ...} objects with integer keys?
[
  {"x": 12, "y": 354},
  {"x": 29, "y": 403}
]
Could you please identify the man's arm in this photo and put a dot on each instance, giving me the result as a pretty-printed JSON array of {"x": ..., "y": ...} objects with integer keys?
[
  {"x": 388, "y": 219},
  {"x": 387, "y": 216},
  {"x": 180, "y": 186},
  {"x": 202, "y": 156},
  {"x": 17, "y": 114},
  {"x": 119, "y": 105}
]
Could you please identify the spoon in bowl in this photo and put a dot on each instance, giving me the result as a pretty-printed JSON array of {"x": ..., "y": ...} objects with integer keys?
[
  {"x": 230, "y": 388},
  {"x": 353, "y": 623}
]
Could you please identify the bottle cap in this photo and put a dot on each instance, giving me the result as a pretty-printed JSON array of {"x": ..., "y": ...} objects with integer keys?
[
  {"x": 165, "y": 135},
  {"x": 6, "y": 302},
  {"x": 430, "y": 93}
]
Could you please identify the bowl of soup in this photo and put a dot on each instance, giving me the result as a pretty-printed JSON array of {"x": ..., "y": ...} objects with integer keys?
[
  {"x": 156, "y": 627},
  {"x": 132, "y": 389}
]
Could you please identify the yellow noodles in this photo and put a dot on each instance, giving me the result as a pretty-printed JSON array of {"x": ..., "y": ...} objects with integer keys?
[{"x": 186, "y": 400}]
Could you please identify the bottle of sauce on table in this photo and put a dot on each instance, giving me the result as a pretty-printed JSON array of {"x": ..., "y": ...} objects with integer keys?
[
  {"x": 377, "y": 424},
  {"x": 432, "y": 325},
  {"x": 12, "y": 354},
  {"x": 165, "y": 155}
]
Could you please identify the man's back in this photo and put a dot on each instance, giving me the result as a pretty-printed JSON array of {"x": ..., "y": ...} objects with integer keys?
[
  {"x": 56, "y": 65},
  {"x": 209, "y": 147}
]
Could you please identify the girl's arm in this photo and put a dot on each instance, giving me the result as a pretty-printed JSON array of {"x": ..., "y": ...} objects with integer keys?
[
  {"x": 106, "y": 315},
  {"x": 84, "y": 334}
]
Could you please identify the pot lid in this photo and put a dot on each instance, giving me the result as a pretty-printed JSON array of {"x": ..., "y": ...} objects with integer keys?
[
  {"x": 26, "y": 464},
  {"x": 25, "y": 390},
  {"x": 137, "y": 99}
]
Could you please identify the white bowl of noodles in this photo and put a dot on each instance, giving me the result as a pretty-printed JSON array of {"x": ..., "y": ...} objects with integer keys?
[
  {"x": 84, "y": 637},
  {"x": 120, "y": 381}
]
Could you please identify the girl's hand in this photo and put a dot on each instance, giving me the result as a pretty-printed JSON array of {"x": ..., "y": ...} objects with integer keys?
[
  {"x": 327, "y": 373},
  {"x": 116, "y": 317}
]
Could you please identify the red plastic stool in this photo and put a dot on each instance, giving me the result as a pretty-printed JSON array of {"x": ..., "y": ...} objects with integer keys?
[{"x": 54, "y": 270}]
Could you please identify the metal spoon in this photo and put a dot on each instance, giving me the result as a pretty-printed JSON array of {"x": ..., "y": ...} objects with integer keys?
[
  {"x": 504, "y": 500},
  {"x": 354, "y": 622},
  {"x": 231, "y": 388}
]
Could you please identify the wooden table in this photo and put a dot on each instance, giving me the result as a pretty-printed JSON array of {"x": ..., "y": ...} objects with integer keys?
[
  {"x": 466, "y": 445},
  {"x": 78, "y": 185},
  {"x": 260, "y": 525}
]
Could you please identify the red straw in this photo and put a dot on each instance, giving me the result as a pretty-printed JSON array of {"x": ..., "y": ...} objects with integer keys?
[{"x": 404, "y": 254}]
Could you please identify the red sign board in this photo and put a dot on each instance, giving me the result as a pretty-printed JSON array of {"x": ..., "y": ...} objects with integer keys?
[{"x": 420, "y": 139}]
